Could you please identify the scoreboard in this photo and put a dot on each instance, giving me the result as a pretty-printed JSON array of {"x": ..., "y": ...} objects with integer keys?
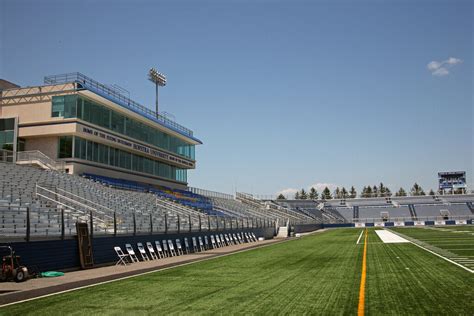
[{"x": 452, "y": 180}]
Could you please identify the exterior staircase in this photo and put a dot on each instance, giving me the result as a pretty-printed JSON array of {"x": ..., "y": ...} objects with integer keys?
[{"x": 282, "y": 232}]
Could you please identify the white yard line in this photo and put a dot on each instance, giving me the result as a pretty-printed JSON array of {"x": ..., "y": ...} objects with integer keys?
[
  {"x": 442, "y": 257},
  {"x": 360, "y": 236},
  {"x": 449, "y": 260}
]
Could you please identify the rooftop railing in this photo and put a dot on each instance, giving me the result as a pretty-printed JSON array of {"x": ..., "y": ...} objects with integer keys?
[{"x": 116, "y": 94}]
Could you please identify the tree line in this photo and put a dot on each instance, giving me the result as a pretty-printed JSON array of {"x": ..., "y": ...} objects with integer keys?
[{"x": 367, "y": 192}]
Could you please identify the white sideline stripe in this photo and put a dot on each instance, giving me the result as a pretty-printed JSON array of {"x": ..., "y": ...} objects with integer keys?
[
  {"x": 360, "y": 236},
  {"x": 449, "y": 260},
  {"x": 390, "y": 238},
  {"x": 137, "y": 275}
]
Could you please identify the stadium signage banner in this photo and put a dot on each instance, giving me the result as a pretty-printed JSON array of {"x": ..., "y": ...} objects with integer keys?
[
  {"x": 419, "y": 223},
  {"x": 359, "y": 224},
  {"x": 461, "y": 222},
  {"x": 439, "y": 223},
  {"x": 399, "y": 224},
  {"x": 137, "y": 147},
  {"x": 379, "y": 224}
]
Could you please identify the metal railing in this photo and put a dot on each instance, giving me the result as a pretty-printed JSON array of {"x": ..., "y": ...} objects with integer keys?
[
  {"x": 34, "y": 223},
  {"x": 117, "y": 95},
  {"x": 211, "y": 194},
  {"x": 410, "y": 219},
  {"x": 40, "y": 158}
]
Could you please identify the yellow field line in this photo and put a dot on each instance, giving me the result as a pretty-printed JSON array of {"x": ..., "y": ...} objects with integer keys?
[{"x": 360, "y": 309}]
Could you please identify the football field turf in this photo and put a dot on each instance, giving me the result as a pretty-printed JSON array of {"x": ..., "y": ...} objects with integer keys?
[
  {"x": 453, "y": 242},
  {"x": 317, "y": 274}
]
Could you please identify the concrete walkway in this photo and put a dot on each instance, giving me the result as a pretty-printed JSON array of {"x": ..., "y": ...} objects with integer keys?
[{"x": 14, "y": 292}]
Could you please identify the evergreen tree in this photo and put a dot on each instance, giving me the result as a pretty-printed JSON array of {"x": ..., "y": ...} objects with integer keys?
[
  {"x": 281, "y": 197},
  {"x": 326, "y": 195},
  {"x": 344, "y": 193},
  {"x": 303, "y": 195},
  {"x": 364, "y": 192},
  {"x": 417, "y": 190},
  {"x": 401, "y": 192},
  {"x": 368, "y": 191},
  {"x": 382, "y": 190},
  {"x": 353, "y": 192},
  {"x": 337, "y": 193},
  {"x": 431, "y": 192},
  {"x": 297, "y": 195},
  {"x": 388, "y": 193},
  {"x": 375, "y": 191},
  {"x": 313, "y": 194}
]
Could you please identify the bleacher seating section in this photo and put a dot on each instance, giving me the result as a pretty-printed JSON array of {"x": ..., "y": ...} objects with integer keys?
[
  {"x": 116, "y": 206},
  {"x": 120, "y": 206}
]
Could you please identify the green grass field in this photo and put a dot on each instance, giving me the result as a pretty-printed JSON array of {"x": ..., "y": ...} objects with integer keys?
[
  {"x": 453, "y": 242},
  {"x": 317, "y": 274}
]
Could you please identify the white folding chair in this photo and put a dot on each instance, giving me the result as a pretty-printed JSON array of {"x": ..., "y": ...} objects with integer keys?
[
  {"x": 227, "y": 240},
  {"x": 254, "y": 237},
  {"x": 232, "y": 240},
  {"x": 171, "y": 248},
  {"x": 151, "y": 250},
  {"x": 186, "y": 245},
  {"x": 206, "y": 242},
  {"x": 159, "y": 250},
  {"x": 213, "y": 242},
  {"x": 123, "y": 258},
  {"x": 142, "y": 251},
  {"x": 195, "y": 246},
  {"x": 247, "y": 237},
  {"x": 201, "y": 244},
  {"x": 236, "y": 239},
  {"x": 251, "y": 237},
  {"x": 165, "y": 249},
  {"x": 223, "y": 240},
  {"x": 131, "y": 253},
  {"x": 240, "y": 238},
  {"x": 179, "y": 249}
]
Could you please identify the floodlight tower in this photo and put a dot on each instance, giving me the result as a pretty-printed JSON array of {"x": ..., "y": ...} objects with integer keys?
[{"x": 158, "y": 79}]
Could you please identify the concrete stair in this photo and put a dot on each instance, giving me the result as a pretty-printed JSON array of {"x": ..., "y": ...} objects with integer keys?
[{"x": 282, "y": 232}]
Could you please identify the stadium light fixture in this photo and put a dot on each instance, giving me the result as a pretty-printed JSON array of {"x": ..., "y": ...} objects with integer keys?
[{"x": 159, "y": 80}]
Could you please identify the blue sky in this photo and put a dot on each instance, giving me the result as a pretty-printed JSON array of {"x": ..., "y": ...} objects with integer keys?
[{"x": 284, "y": 94}]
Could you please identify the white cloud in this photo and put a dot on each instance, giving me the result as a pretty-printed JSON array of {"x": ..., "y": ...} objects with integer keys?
[
  {"x": 453, "y": 61},
  {"x": 433, "y": 65},
  {"x": 289, "y": 192},
  {"x": 440, "y": 72},
  {"x": 440, "y": 68}
]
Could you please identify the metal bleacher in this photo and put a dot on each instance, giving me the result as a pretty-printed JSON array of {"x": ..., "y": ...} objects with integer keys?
[
  {"x": 54, "y": 201},
  {"x": 406, "y": 208},
  {"x": 45, "y": 194}
]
